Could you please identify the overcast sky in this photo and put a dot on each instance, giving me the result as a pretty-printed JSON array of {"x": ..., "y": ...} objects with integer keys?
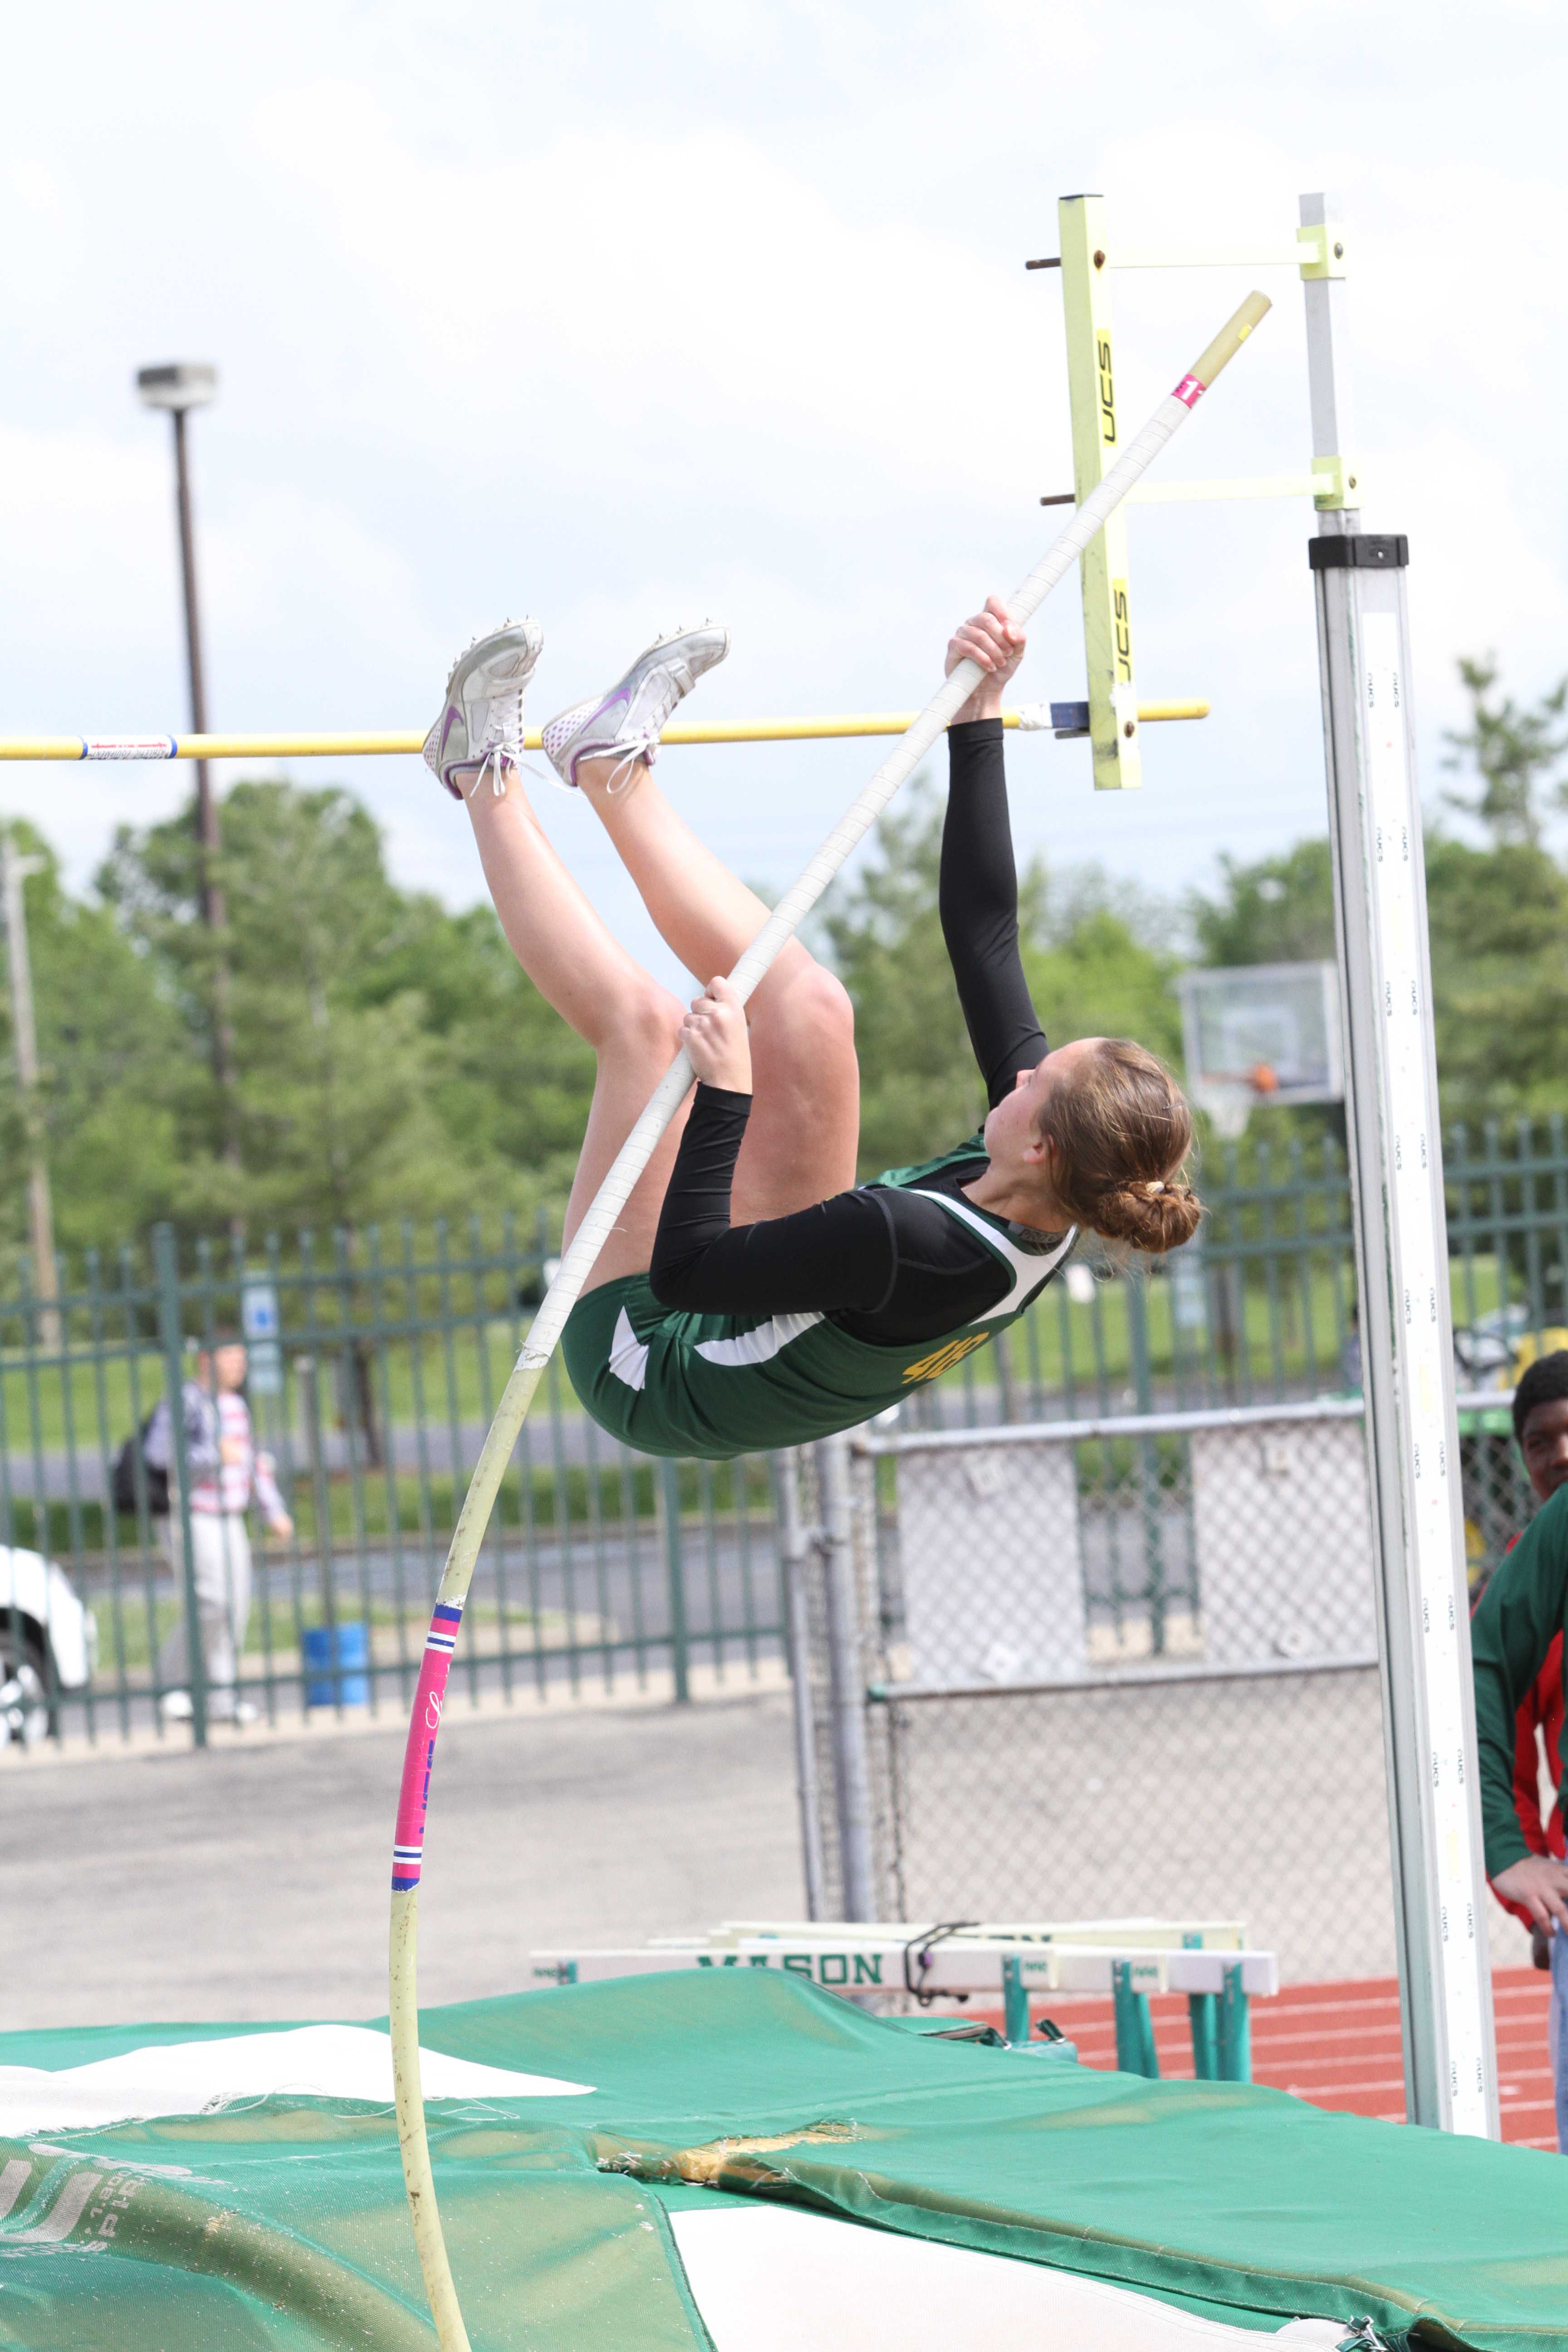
[{"x": 621, "y": 315}]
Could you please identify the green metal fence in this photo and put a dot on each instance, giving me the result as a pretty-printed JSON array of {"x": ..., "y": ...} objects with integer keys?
[
  {"x": 1262, "y": 1305},
  {"x": 376, "y": 1359},
  {"x": 376, "y": 1362}
]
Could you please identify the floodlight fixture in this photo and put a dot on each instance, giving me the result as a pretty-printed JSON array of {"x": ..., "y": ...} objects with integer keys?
[{"x": 178, "y": 384}]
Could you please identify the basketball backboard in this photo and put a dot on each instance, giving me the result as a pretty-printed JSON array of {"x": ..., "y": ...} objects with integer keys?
[{"x": 1261, "y": 1032}]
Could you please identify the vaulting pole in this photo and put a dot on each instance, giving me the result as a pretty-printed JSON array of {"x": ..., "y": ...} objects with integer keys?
[{"x": 577, "y": 1263}]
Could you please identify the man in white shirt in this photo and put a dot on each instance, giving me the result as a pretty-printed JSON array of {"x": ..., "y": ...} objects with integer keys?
[{"x": 225, "y": 1472}]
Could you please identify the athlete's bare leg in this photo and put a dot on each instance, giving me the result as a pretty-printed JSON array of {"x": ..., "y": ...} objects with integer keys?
[
  {"x": 580, "y": 966},
  {"x": 804, "y": 1132}
]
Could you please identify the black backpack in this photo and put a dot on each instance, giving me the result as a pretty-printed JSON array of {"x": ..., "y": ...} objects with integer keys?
[{"x": 122, "y": 1478}]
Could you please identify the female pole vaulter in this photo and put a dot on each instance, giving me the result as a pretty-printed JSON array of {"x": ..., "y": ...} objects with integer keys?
[{"x": 752, "y": 1296}]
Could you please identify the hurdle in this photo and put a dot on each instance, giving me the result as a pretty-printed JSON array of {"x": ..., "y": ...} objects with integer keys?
[
  {"x": 1063, "y": 719},
  {"x": 1131, "y": 1959}
]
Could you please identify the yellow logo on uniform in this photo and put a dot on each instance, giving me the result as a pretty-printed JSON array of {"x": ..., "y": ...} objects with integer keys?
[{"x": 946, "y": 1356}]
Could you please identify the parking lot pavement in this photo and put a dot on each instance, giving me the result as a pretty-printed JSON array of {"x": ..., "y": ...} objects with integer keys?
[{"x": 251, "y": 1882}]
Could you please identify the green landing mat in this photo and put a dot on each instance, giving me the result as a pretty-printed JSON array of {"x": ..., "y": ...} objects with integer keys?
[{"x": 277, "y": 2220}]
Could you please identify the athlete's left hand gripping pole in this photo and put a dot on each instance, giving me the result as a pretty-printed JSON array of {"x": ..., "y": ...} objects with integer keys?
[{"x": 578, "y": 1262}]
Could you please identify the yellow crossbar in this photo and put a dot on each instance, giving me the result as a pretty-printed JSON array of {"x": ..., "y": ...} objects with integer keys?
[{"x": 350, "y": 747}]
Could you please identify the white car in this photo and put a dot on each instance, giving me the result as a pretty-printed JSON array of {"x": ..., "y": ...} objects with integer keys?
[{"x": 48, "y": 1643}]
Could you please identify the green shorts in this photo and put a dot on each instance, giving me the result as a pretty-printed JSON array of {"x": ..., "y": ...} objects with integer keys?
[
  {"x": 718, "y": 1385},
  {"x": 632, "y": 1362}
]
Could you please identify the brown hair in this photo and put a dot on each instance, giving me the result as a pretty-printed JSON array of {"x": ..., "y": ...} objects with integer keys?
[{"x": 1121, "y": 1127}]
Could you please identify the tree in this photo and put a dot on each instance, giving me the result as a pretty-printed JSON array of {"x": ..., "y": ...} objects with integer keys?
[
  {"x": 1497, "y": 916},
  {"x": 919, "y": 1085},
  {"x": 510, "y": 1076},
  {"x": 1514, "y": 751},
  {"x": 107, "y": 1037},
  {"x": 1099, "y": 962},
  {"x": 382, "y": 1046},
  {"x": 1498, "y": 921},
  {"x": 1279, "y": 910},
  {"x": 1090, "y": 971}
]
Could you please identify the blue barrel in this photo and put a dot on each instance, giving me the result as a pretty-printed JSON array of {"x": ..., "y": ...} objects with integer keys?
[{"x": 345, "y": 1648}]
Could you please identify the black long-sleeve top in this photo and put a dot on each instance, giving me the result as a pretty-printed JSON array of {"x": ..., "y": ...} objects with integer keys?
[{"x": 888, "y": 1265}]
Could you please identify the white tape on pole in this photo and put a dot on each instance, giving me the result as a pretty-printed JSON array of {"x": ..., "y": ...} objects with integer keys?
[{"x": 129, "y": 747}]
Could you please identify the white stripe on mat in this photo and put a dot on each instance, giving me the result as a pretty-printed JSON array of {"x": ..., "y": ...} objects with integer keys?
[{"x": 190, "y": 2078}]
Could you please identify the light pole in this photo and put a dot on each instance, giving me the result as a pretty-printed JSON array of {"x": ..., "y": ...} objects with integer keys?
[{"x": 178, "y": 386}]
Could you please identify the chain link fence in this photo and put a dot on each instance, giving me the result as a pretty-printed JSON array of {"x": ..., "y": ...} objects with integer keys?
[{"x": 1131, "y": 1667}]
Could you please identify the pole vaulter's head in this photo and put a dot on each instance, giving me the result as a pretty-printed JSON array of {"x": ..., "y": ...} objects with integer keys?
[{"x": 1097, "y": 1133}]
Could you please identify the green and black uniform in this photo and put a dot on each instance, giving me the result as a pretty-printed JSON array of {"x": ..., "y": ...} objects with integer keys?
[
  {"x": 740, "y": 1339},
  {"x": 1517, "y": 1617}
]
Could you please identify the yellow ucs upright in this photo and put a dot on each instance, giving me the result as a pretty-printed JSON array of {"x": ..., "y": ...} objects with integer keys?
[{"x": 1096, "y": 447}]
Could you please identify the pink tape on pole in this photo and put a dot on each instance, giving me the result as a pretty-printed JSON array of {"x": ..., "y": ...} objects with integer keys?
[
  {"x": 419, "y": 1757},
  {"x": 1189, "y": 392}
]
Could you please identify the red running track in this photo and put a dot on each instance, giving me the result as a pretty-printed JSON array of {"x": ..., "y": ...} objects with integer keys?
[{"x": 1337, "y": 2045}]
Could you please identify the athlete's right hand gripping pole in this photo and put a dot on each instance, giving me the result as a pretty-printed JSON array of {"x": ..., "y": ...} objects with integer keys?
[{"x": 577, "y": 1263}]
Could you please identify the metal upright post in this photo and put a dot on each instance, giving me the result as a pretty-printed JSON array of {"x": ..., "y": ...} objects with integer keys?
[
  {"x": 213, "y": 909},
  {"x": 1091, "y": 391},
  {"x": 851, "y": 1762},
  {"x": 1396, "y": 1177},
  {"x": 1149, "y": 1489},
  {"x": 179, "y": 387},
  {"x": 668, "y": 1494},
  {"x": 795, "y": 1547},
  {"x": 308, "y": 1373},
  {"x": 171, "y": 1333},
  {"x": 13, "y": 871}
]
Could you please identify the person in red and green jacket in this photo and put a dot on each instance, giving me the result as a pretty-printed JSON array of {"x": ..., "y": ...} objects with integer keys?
[{"x": 1516, "y": 1638}]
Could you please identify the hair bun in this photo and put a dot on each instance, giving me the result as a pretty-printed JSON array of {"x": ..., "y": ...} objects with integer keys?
[
  {"x": 1155, "y": 1215},
  {"x": 1119, "y": 1130}
]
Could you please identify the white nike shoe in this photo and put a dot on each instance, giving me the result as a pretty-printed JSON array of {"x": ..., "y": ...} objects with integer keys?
[
  {"x": 481, "y": 721},
  {"x": 623, "y": 724}
]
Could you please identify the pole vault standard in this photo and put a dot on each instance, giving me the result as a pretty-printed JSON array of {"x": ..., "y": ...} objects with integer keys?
[
  {"x": 1401, "y": 1264},
  {"x": 1064, "y": 718},
  {"x": 577, "y": 1263}
]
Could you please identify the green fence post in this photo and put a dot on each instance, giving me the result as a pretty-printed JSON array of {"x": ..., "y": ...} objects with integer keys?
[
  {"x": 669, "y": 1497},
  {"x": 307, "y": 1374},
  {"x": 1235, "y": 2029},
  {"x": 171, "y": 1332}
]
